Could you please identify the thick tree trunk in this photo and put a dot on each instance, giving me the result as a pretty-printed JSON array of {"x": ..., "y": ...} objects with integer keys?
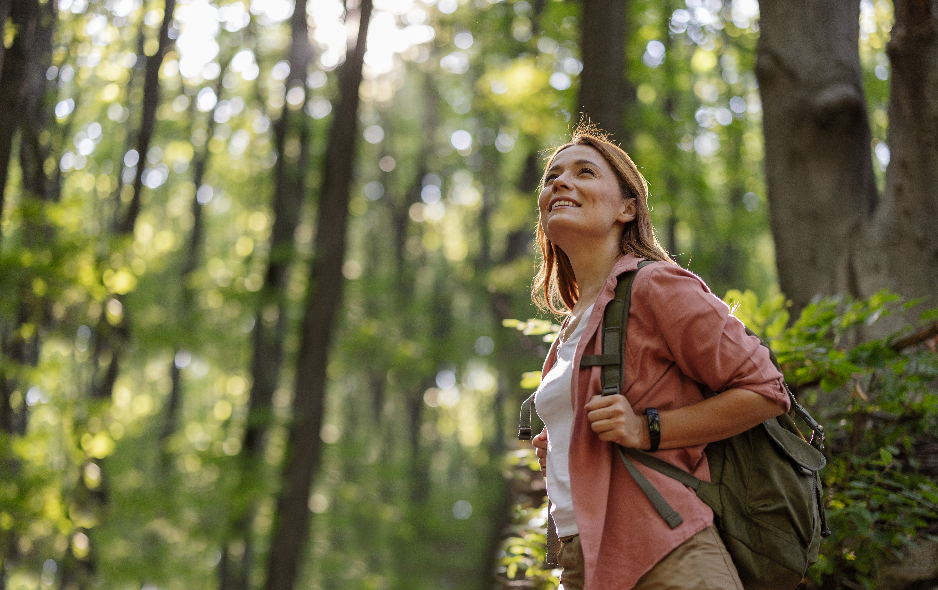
[
  {"x": 819, "y": 169},
  {"x": 833, "y": 233},
  {"x": 899, "y": 250},
  {"x": 304, "y": 447},
  {"x": 29, "y": 57},
  {"x": 603, "y": 88}
]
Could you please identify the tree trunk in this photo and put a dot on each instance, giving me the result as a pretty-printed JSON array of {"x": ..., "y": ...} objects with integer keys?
[
  {"x": 151, "y": 100},
  {"x": 270, "y": 317},
  {"x": 833, "y": 234},
  {"x": 819, "y": 169},
  {"x": 30, "y": 55},
  {"x": 304, "y": 447},
  {"x": 4, "y": 14},
  {"x": 903, "y": 231},
  {"x": 289, "y": 187},
  {"x": 603, "y": 88},
  {"x": 24, "y": 76},
  {"x": 109, "y": 341},
  {"x": 187, "y": 303},
  {"x": 30, "y": 49}
]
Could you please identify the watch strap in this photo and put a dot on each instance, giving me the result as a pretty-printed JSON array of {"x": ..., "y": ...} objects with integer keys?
[{"x": 654, "y": 428}]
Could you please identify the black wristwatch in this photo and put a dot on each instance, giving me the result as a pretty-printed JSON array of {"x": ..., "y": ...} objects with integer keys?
[{"x": 654, "y": 429}]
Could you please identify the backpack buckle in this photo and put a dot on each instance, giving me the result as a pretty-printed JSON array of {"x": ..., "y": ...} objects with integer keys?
[{"x": 817, "y": 433}]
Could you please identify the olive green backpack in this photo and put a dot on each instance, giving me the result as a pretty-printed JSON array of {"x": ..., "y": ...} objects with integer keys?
[{"x": 764, "y": 488}]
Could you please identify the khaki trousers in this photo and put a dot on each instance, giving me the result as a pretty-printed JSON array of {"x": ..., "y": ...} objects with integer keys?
[{"x": 699, "y": 563}]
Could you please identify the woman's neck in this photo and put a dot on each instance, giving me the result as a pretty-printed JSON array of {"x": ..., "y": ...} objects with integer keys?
[{"x": 591, "y": 267}]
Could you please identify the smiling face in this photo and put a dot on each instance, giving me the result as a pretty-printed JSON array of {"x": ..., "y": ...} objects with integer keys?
[{"x": 581, "y": 198}]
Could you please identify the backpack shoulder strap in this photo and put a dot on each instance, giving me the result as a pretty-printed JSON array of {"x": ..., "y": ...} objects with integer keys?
[
  {"x": 612, "y": 361},
  {"x": 615, "y": 324},
  {"x": 615, "y": 320},
  {"x": 524, "y": 425}
]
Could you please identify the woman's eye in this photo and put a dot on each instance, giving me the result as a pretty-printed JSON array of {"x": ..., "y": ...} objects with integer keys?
[
  {"x": 587, "y": 171},
  {"x": 550, "y": 177}
]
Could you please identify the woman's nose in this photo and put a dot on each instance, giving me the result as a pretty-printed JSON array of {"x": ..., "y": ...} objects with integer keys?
[{"x": 562, "y": 180}]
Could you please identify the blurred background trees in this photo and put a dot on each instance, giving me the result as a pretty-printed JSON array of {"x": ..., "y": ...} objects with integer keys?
[{"x": 256, "y": 257}]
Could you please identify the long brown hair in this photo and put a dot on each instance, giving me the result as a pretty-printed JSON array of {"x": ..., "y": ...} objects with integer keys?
[{"x": 555, "y": 288}]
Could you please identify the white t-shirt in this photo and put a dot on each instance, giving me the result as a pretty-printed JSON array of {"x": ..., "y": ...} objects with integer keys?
[{"x": 555, "y": 408}]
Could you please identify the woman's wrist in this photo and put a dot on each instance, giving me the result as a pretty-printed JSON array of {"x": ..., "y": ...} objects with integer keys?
[{"x": 645, "y": 436}]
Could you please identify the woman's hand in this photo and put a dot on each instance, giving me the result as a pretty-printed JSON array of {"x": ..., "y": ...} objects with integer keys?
[
  {"x": 614, "y": 420},
  {"x": 540, "y": 443}
]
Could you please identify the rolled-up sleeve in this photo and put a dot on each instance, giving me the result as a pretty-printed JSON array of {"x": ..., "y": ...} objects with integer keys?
[{"x": 706, "y": 342}]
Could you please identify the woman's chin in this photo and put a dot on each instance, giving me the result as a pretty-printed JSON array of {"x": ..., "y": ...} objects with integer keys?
[{"x": 568, "y": 232}]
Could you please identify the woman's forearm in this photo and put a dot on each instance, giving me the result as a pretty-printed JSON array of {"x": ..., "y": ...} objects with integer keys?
[
  {"x": 721, "y": 416},
  {"x": 715, "y": 418}
]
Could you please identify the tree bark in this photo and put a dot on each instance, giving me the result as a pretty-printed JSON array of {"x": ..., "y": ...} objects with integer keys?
[
  {"x": 603, "y": 88},
  {"x": 304, "y": 446},
  {"x": 903, "y": 231},
  {"x": 30, "y": 55},
  {"x": 833, "y": 232}
]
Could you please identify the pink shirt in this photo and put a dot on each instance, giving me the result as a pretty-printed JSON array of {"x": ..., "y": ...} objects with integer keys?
[{"x": 680, "y": 337}]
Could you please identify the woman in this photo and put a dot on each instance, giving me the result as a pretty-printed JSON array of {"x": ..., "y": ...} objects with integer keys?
[{"x": 682, "y": 341}]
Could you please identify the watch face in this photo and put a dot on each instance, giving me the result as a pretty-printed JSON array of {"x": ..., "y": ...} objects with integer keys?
[{"x": 654, "y": 428}]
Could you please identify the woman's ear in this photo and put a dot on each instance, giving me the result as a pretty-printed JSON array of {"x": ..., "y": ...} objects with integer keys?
[{"x": 628, "y": 210}]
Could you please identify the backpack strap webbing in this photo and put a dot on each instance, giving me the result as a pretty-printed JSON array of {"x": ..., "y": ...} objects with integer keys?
[
  {"x": 615, "y": 325},
  {"x": 524, "y": 425},
  {"x": 525, "y": 433}
]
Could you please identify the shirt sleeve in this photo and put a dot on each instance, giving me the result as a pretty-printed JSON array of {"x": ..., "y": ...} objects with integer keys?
[{"x": 706, "y": 342}]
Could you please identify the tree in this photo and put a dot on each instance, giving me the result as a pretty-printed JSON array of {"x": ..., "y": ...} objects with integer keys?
[
  {"x": 124, "y": 223},
  {"x": 27, "y": 313},
  {"x": 835, "y": 232},
  {"x": 603, "y": 86},
  {"x": 303, "y": 454},
  {"x": 272, "y": 309}
]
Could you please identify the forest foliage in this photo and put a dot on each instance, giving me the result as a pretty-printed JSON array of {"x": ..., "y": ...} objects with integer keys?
[{"x": 162, "y": 191}]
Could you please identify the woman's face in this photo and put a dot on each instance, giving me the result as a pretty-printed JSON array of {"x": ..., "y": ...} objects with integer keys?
[{"x": 581, "y": 197}]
